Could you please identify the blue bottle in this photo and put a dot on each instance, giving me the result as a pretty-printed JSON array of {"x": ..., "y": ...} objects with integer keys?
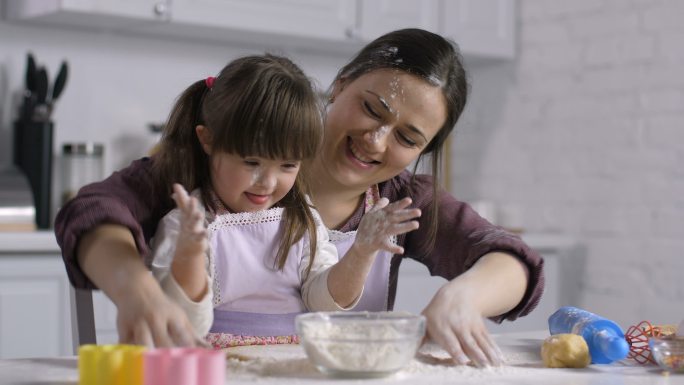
[{"x": 605, "y": 339}]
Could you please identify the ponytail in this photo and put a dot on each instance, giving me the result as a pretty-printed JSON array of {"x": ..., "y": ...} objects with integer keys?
[{"x": 180, "y": 158}]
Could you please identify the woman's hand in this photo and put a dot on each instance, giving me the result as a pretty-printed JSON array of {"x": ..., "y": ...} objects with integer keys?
[
  {"x": 383, "y": 221},
  {"x": 457, "y": 325},
  {"x": 147, "y": 317},
  {"x": 494, "y": 285},
  {"x": 109, "y": 257}
]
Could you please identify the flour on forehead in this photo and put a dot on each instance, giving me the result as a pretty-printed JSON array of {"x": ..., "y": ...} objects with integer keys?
[{"x": 396, "y": 88}]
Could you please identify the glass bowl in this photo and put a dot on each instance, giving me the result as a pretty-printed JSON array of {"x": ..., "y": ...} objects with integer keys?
[
  {"x": 360, "y": 344},
  {"x": 668, "y": 352}
]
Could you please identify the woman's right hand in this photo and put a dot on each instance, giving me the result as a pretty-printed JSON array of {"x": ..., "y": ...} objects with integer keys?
[{"x": 147, "y": 317}]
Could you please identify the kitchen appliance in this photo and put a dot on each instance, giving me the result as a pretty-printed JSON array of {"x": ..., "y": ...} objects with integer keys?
[
  {"x": 82, "y": 164},
  {"x": 17, "y": 210}
]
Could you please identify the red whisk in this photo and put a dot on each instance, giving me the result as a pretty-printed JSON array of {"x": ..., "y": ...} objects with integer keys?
[{"x": 637, "y": 337}]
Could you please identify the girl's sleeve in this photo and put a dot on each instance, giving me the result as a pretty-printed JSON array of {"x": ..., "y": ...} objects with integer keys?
[
  {"x": 315, "y": 293},
  {"x": 201, "y": 313},
  {"x": 129, "y": 197},
  {"x": 463, "y": 237}
]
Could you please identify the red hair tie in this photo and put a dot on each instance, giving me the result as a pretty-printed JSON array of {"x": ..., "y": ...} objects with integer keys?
[{"x": 209, "y": 81}]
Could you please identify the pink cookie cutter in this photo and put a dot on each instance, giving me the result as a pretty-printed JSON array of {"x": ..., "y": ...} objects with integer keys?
[{"x": 184, "y": 366}]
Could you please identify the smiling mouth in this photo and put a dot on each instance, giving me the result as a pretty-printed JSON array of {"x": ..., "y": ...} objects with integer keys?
[
  {"x": 357, "y": 154},
  {"x": 256, "y": 199}
]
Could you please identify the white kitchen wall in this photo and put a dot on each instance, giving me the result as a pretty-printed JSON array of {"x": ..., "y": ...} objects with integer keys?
[
  {"x": 584, "y": 134},
  {"x": 117, "y": 84}
]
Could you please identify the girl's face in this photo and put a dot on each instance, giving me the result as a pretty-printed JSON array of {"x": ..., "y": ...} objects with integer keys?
[
  {"x": 378, "y": 124},
  {"x": 251, "y": 183}
]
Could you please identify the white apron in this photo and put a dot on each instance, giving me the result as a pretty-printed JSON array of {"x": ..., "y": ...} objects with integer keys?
[{"x": 251, "y": 295}]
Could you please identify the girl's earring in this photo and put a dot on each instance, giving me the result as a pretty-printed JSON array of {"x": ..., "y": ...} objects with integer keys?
[{"x": 331, "y": 99}]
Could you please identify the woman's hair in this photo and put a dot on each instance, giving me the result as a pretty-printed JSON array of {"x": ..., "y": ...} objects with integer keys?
[
  {"x": 432, "y": 58},
  {"x": 257, "y": 106}
]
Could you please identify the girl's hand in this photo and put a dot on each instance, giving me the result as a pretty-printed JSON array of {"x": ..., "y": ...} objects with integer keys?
[
  {"x": 189, "y": 266},
  {"x": 383, "y": 221},
  {"x": 192, "y": 237},
  {"x": 457, "y": 325}
]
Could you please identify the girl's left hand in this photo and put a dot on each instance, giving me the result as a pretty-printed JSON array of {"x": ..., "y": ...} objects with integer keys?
[{"x": 383, "y": 221}]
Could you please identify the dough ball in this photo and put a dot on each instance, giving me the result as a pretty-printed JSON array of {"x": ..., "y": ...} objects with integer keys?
[{"x": 565, "y": 351}]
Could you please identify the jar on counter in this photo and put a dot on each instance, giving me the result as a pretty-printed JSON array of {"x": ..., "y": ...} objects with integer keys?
[{"x": 82, "y": 164}]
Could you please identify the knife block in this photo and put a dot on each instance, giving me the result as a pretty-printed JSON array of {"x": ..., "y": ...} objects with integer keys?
[{"x": 33, "y": 155}]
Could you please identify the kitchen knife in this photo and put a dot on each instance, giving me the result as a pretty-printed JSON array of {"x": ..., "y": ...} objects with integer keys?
[
  {"x": 29, "y": 93},
  {"x": 30, "y": 72},
  {"x": 40, "y": 111},
  {"x": 42, "y": 85},
  {"x": 60, "y": 81},
  {"x": 58, "y": 87}
]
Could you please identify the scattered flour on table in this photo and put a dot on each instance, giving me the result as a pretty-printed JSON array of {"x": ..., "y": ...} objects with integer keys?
[{"x": 430, "y": 362}]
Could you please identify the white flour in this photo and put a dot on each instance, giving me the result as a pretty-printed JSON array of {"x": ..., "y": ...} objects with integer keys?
[
  {"x": 431, "y": 365},
  {"x": 373, "y": 347}
]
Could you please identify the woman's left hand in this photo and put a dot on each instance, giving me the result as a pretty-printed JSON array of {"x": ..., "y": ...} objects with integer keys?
[{"x": 456, "y": 324}]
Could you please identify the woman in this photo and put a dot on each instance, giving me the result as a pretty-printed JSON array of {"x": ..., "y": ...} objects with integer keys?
[{"x": 395, "y": 102}]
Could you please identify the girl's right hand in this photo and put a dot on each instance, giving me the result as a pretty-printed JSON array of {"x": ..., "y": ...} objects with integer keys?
[
  {"x": 188, "y": 266},
  {"x": 383, "y": 221},
  {"x": 192, "y": 238}
]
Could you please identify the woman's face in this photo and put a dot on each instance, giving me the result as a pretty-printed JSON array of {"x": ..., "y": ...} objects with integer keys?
[{"x": 378, "y": 124}]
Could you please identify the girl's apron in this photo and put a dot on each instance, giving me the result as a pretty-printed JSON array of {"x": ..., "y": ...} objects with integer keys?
[{"x": 252, "y": 297}]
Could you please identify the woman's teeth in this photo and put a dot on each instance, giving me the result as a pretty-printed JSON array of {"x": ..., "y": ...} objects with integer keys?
[{"x": 357, "y": 154}]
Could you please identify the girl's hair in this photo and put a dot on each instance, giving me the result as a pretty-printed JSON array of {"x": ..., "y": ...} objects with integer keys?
[
  {"x": 432, "y": 58},
  {"x": 257, "y": 106}
]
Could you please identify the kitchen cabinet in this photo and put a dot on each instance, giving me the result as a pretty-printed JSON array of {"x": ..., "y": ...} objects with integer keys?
[
  {"x": 322, "y": 19},
  {"x": 35, "y": 308},
  {"x": 483, "y": 28},
  {"x": 100, "y": 14},
  {"x": 381, "y": 16}
]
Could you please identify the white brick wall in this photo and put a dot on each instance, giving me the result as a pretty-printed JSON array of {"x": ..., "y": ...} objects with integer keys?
[{"x": 584, "y": 133}]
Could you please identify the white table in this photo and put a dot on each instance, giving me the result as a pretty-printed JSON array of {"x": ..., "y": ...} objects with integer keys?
[{"x": 521, "y": 349}]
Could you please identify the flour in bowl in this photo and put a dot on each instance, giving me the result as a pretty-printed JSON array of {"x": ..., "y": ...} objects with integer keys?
[{"x": 370, "y": 347}]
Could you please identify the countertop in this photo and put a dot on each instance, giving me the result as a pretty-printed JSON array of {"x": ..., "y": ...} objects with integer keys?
[
  {"x": 28, "y": 242},
  {"x": 292, "y": 367},
  {"x": 44, "y": 241}
]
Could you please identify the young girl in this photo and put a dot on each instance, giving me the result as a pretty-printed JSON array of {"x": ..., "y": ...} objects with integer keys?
[{"x": 245, "y": 252}]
